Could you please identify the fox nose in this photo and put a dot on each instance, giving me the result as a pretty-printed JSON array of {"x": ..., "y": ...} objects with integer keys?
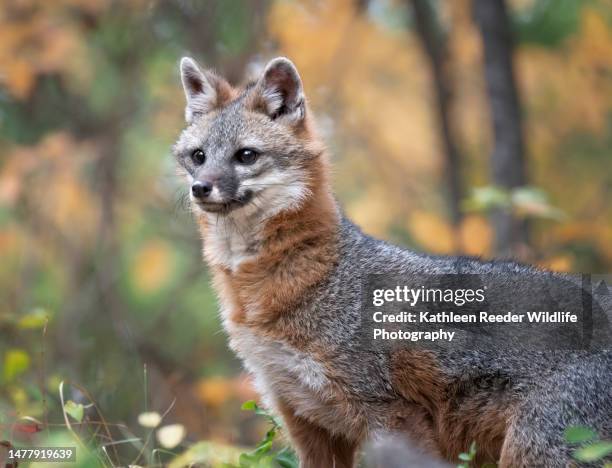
[{"x": 201, "y": 189}]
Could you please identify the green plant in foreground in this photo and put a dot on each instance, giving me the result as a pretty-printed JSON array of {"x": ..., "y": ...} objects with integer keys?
[
  {"x": 590, "y": 448},
  {"x": 100, "y": 451},
  {"x": 263, "y": 454},
  {"x": 467, "y": 457}
]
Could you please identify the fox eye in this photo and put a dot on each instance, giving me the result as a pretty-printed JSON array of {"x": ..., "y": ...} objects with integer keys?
[
  {"x": 198, "y": 156},
  {"x": 246, "y": 156}
]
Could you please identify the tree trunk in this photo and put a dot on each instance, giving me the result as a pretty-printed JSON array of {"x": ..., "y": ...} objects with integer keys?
[
  {"x": 434, "y": 45},
  {"x": 508, "y": 169}
]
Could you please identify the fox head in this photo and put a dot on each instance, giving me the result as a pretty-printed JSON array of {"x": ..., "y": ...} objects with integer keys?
[{"x": 249, "y": 148}]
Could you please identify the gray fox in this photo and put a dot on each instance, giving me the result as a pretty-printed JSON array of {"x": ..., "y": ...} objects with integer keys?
[{"x": 288, "y": 267}]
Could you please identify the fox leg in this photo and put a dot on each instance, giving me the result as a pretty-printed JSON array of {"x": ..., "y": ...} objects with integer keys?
[
  {"x": 524, "y": 448},
  {"x": 317, "y": 447}
]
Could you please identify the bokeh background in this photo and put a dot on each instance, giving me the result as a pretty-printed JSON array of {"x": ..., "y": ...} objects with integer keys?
[{"x": 475, "y": 127}]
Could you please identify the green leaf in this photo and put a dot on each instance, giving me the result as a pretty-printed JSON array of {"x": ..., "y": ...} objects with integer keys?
[
  {"x": 249, "y": 460},
  {"x": 263, "y": 456},
  {"x": 275, "y": 421},
  {"x": 270, "y": 435},
  {"x": 593, "y": 452},
  {"x": 577, "y": 434},
  {"x": 246, "y": 460},
  {"x": 263, "y": 448},
  {"x": 473, "y": 449},
  {"x": 532, "y": 201},
  {"x": 528, "y": 195},
  {"x": 465, "y": 457},
  {"x": 16, "y": 361},
  {"x": 35, "y": 319},
  {"x": 75, "y": 410},
  {"x": 286, "y": 458},
  {"x": 252, "y": 406},
  {"x": 487, "y": 198},
  {"x": 249, "y": 406},
  {"x": 546, "y": 23}
]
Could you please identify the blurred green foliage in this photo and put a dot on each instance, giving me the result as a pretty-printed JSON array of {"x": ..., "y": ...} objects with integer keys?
[
  {"x": 548, "y": 22},
  {"x": 590, "y": 447}
]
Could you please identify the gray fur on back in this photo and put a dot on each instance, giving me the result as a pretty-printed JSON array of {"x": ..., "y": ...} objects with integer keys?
[{"x": 556, "y": 389}]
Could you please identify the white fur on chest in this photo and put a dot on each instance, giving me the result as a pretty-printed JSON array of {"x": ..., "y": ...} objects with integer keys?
[
  {"x": 228, "y": 242},
  {"x": 280, "y": 368}
]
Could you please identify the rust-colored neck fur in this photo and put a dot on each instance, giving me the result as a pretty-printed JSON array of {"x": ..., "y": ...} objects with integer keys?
[{"x": 296, "y": 250}]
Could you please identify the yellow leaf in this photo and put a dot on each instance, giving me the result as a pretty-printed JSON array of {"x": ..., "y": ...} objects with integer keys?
[
  {"x": 431, "y": 232},
  {"x": 152, "y": 266},
  {"x": 372, "y": 213},
  {"x": 476, "y": 236},
  {"x": 562, "y": 263},
  {"x": 19, "y": 78},
  {"x": 214, "y": 391},
  {"x": 38, "y": 318},
  {"x": 16, "y": 361}
]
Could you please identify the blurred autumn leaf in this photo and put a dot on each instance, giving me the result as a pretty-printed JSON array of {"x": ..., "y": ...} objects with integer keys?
[
  {"x": 214, "y": 391},
  {"x": 431, "y": 231},
  {"x": 526, "y": 201},
  {"x": 152, "y": 266},
  {"x": 214, "y": 453},
  {"x": 38, "y": 318},
  {"x": 476, "y": 236},
  {"x": 16, "y": 361}
]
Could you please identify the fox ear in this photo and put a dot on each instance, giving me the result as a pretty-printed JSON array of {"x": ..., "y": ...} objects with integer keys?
[
  {"x": 204, "y": 91},
  {"x": 279, "y": 92}
]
